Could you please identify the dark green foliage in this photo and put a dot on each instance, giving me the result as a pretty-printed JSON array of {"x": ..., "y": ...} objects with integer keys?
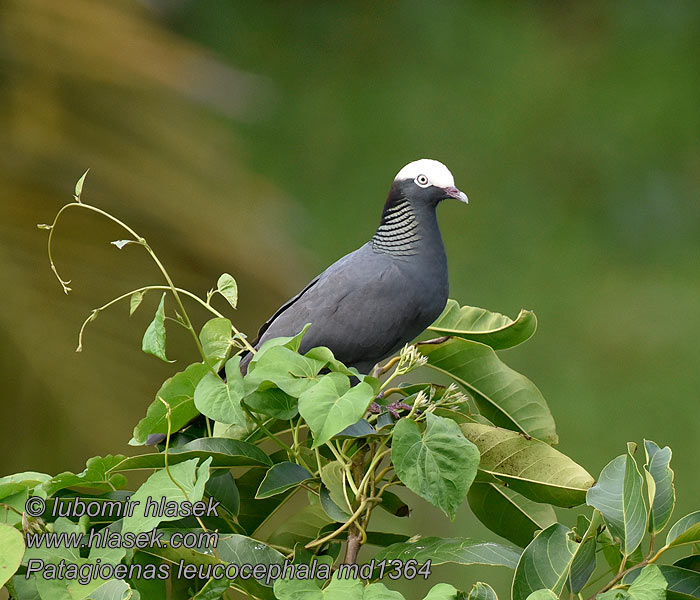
[{"x": 299, "y": 426}]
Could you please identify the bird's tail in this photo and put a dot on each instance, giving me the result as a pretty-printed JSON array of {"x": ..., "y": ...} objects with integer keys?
[{"x": 245, "y": 361}]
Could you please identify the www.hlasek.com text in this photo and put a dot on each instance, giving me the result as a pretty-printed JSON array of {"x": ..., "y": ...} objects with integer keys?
[{"x": 263, "y": 573}]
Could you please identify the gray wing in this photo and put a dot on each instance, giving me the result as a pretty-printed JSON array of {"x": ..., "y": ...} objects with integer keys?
[
  {"x": 363, "y": 307},
  {"x": 266, "y": 325}
]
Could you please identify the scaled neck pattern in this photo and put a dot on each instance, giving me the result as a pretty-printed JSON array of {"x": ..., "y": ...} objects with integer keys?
[{"x": 398, "y": 233}]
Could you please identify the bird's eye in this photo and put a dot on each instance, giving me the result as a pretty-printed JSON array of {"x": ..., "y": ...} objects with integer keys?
[{"x": 422, "y": 180}]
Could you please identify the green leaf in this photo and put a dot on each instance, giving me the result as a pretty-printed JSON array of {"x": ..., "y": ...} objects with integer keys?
[
  {"x": 115, "y": 589},
  {"x": 154, "y": 338},
  {"x": 482, "y": 591},
  {"x": 284, "y": 368},
  {"x": 184, "y": 481},
  {"x": 332, "y": 405},
  {"x": 178, "y": 392},
  {"x": 299, "y": 589},
  {"x": 545, "y": 563},
  {"x": 438, "y": 464},
  {"x": 79, "y": 185},
  {"x": 490, "y": 328},
  {"x": 213, "y": 589},
  {"x": 216, "y": 341},
  {"x": 332, "y": 363},
  {"x": 135, "y": 301},
  {"x": 231, "y": 548},
  {"x": 378, "y": 591},
  {"x": 228, "y": 288},
  {"x": 618, "y": 496},
  {"x": 222, "y": 487},
  {"x": 462, "y": 551},
  {"x": 683, "y": 584},
  {"x": 659, "y": 476},
  {"x": 503, "y": 396},
  {"x": 17, "y": 502},
  {"x": 292, "y": 343},
  {"x": 224, "y": 452},
  {"x": 149, "y": 589},
  {"x": 384, "y": 539},
  {"x": 65, "y": 588},
  {"x": 611, "y": 550},
  {"x": 25, "y": 588},
  {"x": 273, "y": 402},
  {"x": 240, "y": 549},
  {"x": 583, "y": 565},
  {"x": 281, "y": 477},
  {"x": 692, "y": 562},
  {"x": 331, "y": 508},
  {"x": 685, "y": 531},
  {"x": 338, "y": 589},
  {"x": 530, "y": 467},
  {"x": 394, "y": 505},
  {"x": 252, "y": 512},
  {"x": 332, "y": 478},
  {"x": 13, "y": 484},
  {"x": 649, "y": 584},
  {"x": 584, "y": 561},
  {"x": 303, "y": 526},
  {"x": 221, "y": 400},
  {"x": 12, "y": 545},
  {"x": 360, "y": 429},
  {"x": 507, "y": 513},
  {"x": 98, "y": 473},
  {"x": 444, "y": 591},
  {"x": 543, "y": 595}
]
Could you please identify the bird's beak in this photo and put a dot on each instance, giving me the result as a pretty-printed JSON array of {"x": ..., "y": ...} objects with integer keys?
[{"x": 453, "y": 192}]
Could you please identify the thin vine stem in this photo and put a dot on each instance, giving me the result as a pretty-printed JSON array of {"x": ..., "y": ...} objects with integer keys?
[
  {"x": 126, "y": 295},
  {"x": 167, "y": 465},
  {"x": 138, "y": 239}
]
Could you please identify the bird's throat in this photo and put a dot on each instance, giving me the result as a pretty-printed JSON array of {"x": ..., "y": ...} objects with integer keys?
[{"x": 399, "y": 232}]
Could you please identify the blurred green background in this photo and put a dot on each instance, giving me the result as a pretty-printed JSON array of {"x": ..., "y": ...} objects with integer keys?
[{"x": 260, "y": 138}]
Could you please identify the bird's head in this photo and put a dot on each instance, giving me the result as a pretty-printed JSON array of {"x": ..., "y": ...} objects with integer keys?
[{"x": 426, "y": 181}]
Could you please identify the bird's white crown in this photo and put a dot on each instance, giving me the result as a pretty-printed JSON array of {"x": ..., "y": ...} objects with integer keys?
[{"x": 437, "y": 173}]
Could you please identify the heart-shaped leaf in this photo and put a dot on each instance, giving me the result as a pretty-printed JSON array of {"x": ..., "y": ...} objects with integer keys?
[
  {"x": 439, "y": 464},
  {"x": 12, "y": 545},
  {"x": 332, "y": 405},
  {"x": 178, "y": 392},
  {"x": 216, "y": 341},
  {"x": 184, "y": 481},
  {"x": 227, "y": 287},
  {"x": 221, "y": 400}
]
